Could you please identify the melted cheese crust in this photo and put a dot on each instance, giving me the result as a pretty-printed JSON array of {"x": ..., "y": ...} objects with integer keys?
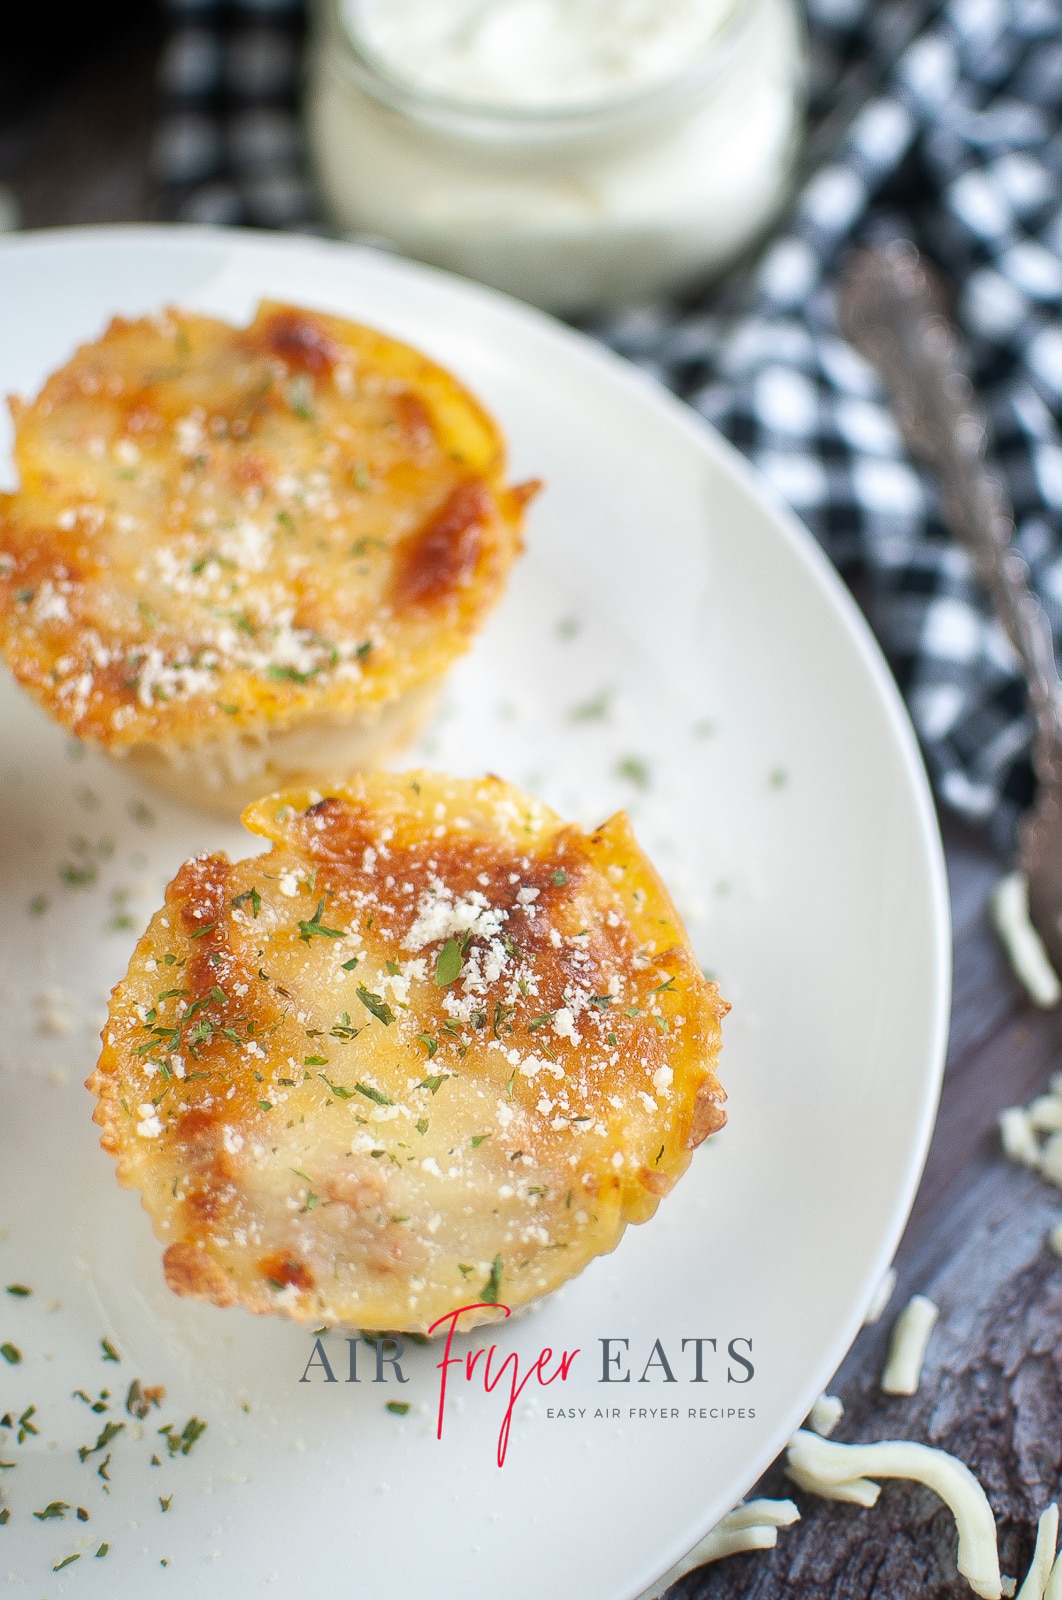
[
  {"x": 436, "y": 1044},
  {"x": 223, "y": 533}
]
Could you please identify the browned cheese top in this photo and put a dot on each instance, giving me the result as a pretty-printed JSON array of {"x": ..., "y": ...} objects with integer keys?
[
  {"x": 222, "y": 529},
  {"x": 435, "y": 1045}
]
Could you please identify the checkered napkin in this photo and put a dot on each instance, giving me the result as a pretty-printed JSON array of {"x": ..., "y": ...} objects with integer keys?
[
  {"x": 957, "y": 146},
  {"x": 227, "y": 146},
  {"x": 960, "y": 149}
]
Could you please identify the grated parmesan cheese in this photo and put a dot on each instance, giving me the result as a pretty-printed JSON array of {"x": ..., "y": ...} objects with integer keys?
[
  {"x": 441, "y": 916},
  {"x": 907, "y": 1347},
  {"x": 826, "y": 1467}
]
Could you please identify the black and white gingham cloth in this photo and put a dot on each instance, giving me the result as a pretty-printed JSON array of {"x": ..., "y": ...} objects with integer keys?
[
  {"x": 959, "y": 147},
  {"x": 228, "y": 146}
]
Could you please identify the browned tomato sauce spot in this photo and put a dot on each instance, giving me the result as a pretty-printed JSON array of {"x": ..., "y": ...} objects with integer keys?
[
  {"x": 198, "y": 891},
  {"x": 191, "y": 1271},
  {"x": 462, "y": 863},
  {"x": 142, "y": 418},
  {"x": 415, "y": 421},
  {"x": 442, "y": 554},
  {"x": 708, "y": 1116},
  {"x": 524, "y": 493},
  {"x": 286, "y": 1270},
  {"x": 300, "y": 341},
  {"x": 252, "y": 470}
]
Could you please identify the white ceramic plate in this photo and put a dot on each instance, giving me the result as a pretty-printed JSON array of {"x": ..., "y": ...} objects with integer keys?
[{"x": 673, "y": 642}]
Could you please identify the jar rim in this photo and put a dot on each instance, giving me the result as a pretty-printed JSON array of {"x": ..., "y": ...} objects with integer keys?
[{"x": 504, "y": 120}]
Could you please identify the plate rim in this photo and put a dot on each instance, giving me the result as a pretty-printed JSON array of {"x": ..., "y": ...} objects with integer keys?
[{"x": 571, "y": 344}]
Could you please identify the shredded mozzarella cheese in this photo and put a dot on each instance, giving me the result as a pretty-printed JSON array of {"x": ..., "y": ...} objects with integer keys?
[
  {"x": 753, "y": 1525},
  {"x": 856, "y": 1491},
  {"x": 1051, "y": 1160},
  {"x": 1045, "y": 1113},
  {"x": 757, "y": 1513},
  {"x": 1039, "y": 1573},
  {"x": 1018, "y": 1137},
  {"x": 1020, "y": 1128},
  {"x": 907, "y": 1347},
  {"x": 1054, "y": 1582},
  {"x": 825, "y": 1414},
  {"x": 825, "y": 1467},
  {"x": 1030, "y": 961}
]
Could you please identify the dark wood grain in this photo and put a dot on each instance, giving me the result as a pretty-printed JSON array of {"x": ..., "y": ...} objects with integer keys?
[{"x": 992, "y": 1387}]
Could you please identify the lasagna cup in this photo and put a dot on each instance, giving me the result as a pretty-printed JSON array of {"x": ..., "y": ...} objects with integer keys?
[
  {"x": 241, "y": 557},
  {"x": 435, "y": 1049}
]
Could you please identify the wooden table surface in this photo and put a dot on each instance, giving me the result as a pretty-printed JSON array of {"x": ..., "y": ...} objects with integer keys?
[{"x": 992, "y": 1387}]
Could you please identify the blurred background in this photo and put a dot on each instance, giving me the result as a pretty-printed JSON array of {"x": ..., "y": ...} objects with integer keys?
[
  {"x": 78, "y": 95},
  {"x": 128, "y": 110}
]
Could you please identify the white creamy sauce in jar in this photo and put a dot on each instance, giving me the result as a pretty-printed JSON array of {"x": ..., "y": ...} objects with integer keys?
[
  {"x": 575, "y": 153},
  {"x": 542, "y": 53}
]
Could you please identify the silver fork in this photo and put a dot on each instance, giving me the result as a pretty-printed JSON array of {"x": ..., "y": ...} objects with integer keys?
[{"x": 890, "y": 306}]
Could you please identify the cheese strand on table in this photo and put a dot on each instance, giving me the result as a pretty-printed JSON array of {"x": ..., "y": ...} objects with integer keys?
[
  {"x": 1039, "y": 1573},
  {"x": 752, "y": 1525},
  {"x": 825, "y": 1414},
  {"x": 907, "y": 1347},
  {"x": 825, "y": 1467},
  {"x": 1028, "y": 958}
]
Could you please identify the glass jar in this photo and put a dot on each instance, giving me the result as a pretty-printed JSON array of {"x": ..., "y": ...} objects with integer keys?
[{"x": 573, "y": 195}]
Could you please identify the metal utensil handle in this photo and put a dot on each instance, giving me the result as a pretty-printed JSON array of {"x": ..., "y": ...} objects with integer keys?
[{"x": 890, "y": 307}]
